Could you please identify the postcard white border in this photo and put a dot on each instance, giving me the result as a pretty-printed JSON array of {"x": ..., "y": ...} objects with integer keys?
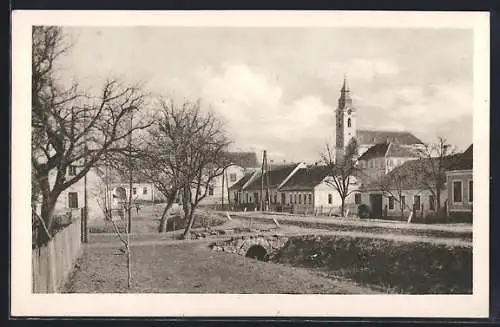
[{"x": 24, "y": 303}]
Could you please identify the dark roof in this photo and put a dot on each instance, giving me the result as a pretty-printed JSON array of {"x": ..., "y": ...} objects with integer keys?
[
  {"x": 376, "y": 151},
  {"x": 242, "y": 181},
  {"x": 306, "y": 178},
  {"x": 242, "y": 159},
  {"x": 388, "y": 150},
  {"x": 375, "y": 137},
  {"x": 277, "y": 175},
  {"x": 464, "y": 160}
]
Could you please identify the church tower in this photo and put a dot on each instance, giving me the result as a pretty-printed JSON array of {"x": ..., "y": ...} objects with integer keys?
[{"x": 345, "y": 121}]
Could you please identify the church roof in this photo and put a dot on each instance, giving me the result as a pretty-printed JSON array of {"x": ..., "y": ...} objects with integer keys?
[
  {"x": 306, "y": 178},
  {"x": 375, "y": 137}
]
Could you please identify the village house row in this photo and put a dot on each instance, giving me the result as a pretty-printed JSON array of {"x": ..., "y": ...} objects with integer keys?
[{"x": 302, "y": 188}]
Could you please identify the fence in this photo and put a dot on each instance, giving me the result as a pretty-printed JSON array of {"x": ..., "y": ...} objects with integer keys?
[{"x": 52, "y": 263}]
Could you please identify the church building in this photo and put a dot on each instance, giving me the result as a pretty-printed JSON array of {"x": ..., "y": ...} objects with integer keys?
[{"x": 346, "y": 129}]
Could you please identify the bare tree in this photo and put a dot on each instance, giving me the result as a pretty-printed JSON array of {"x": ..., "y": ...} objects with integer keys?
[
  {"x": 393, "y": 185},
  {"x": 342, "y": 171},
  {"x": 70, "y": 128},
  {"x": 195, "y": 143},
  {"x": 436, "y": 158}
]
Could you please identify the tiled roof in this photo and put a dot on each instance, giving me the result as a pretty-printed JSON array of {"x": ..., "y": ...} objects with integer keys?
[
  {"x": 276, "y": 176},
  {"x": 376, "y": 151},
  {"x": 375, "y": 137},
  {"x": 242, "y": 159},
  {"x": 388, "y": 150},
  {"x": 306, "y": 178},
  {"x": 400, "y": 151},
  {"x": 242, "y": 181},
  {"x": 464, "y": 160},
  {"x": 413, "y": 173}
]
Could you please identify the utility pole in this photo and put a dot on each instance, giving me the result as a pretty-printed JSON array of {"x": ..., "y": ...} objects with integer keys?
[
  {"x": 222, "y": 189},
  {"x": 129, "y": 222},
  {"x": 267, "y": 185},
  {"x": 85, "y": 217},
  {"x": 262, "y": 181}
]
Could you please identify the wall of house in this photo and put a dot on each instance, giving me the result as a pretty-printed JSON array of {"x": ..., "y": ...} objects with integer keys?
[
  {"x": 373, "y": 169},
  {"x": 140, "y": 191},
  {"x": 464, "y": 177},
  {"x": 94, "y": 193},
  {"x": 425, "y": 206},
  {"x": 233, "y": 174},
  {"x": 321, "y": 198}
]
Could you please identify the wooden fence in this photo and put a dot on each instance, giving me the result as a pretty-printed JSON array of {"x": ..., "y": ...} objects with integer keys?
[{"x": 52, "y": 263}]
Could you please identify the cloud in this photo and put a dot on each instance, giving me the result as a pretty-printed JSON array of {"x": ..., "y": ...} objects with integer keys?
[
  {"x": 362, "y": 69},
  {"x": 257, "y": 115}
]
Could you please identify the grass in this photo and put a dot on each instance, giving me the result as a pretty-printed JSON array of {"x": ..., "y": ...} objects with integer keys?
[
  {"x": 303, "y": 223},
  {"x": 147, "y": 220},
  {"x": 194, "y": 268},
  {"x": 412, "y": 268}
]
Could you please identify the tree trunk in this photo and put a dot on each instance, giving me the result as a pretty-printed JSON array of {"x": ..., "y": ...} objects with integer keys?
[
  {"x": 342, "y": 206},
  {"x": 164, "y": 217},
  {"x": 47, "y": 214},
  {"x": 438, "y": 200},
  {"x": 190, "y": 220}
]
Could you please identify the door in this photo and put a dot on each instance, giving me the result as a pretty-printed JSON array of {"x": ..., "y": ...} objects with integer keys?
[{"x": 376, "y": 205}]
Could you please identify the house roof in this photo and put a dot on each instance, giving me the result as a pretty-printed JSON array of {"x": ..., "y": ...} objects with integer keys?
[
  {"x": 388, "y": 150},
  {"x": 242, "y": 159},
  {"x": 242, "y": 181},
  {"x": 376, "y": 137},
  {"x": 412, "y": 174},
  {"x": 464, "y": 160},
  {"x": 306, "y": 178},
  {"x": 277, "y": 175},
  {"x": 376, "y": 151}
]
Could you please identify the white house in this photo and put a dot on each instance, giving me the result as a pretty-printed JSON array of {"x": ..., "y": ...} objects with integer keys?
[
  {"x": 310, "y": 190},
  {"x": 460, "y": 185}
]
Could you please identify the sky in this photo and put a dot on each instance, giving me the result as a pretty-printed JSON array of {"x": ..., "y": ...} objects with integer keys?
[{"x": 277, "y": 88}]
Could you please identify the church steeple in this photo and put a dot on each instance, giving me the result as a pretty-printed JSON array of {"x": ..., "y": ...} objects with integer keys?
[
  {"x": 345, "y": 86},
  {"x": 345, "y": 95},
  {"x": 345, "y": 120}
]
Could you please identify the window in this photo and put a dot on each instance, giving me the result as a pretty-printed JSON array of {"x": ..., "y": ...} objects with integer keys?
[
  {"x": 291, "y": 199},
  {"x": 310, "y": 199},
  {"x": 295, "y": 198},
  {"x": 471, "y": 190},
  {"x": 416, "y": 202},
  {"x": 457, "y": 191},
  {"x": 348, "y": 122},
  {"x": 232, "y": 177},
  {"x": 210, "y": 190},
  {"x": 145, "y": 190},
  {"x": 432, "y": 202},
  {"x": 403, "y": 201},
  {"x": 246, "y": 196},
  {"x": 134, "y": 190},
  {"x": 357, "y": 198},
  {"x": 371, "y": 164},
  {"x": 300, "y": 198},
  {"x": 330, "y": 199},
  {"x": 73, "y": 200},
  {"x": 275, "y": 197},
  {"x": 391, "y": 203},
  {"x": 71, "y": 170}
]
